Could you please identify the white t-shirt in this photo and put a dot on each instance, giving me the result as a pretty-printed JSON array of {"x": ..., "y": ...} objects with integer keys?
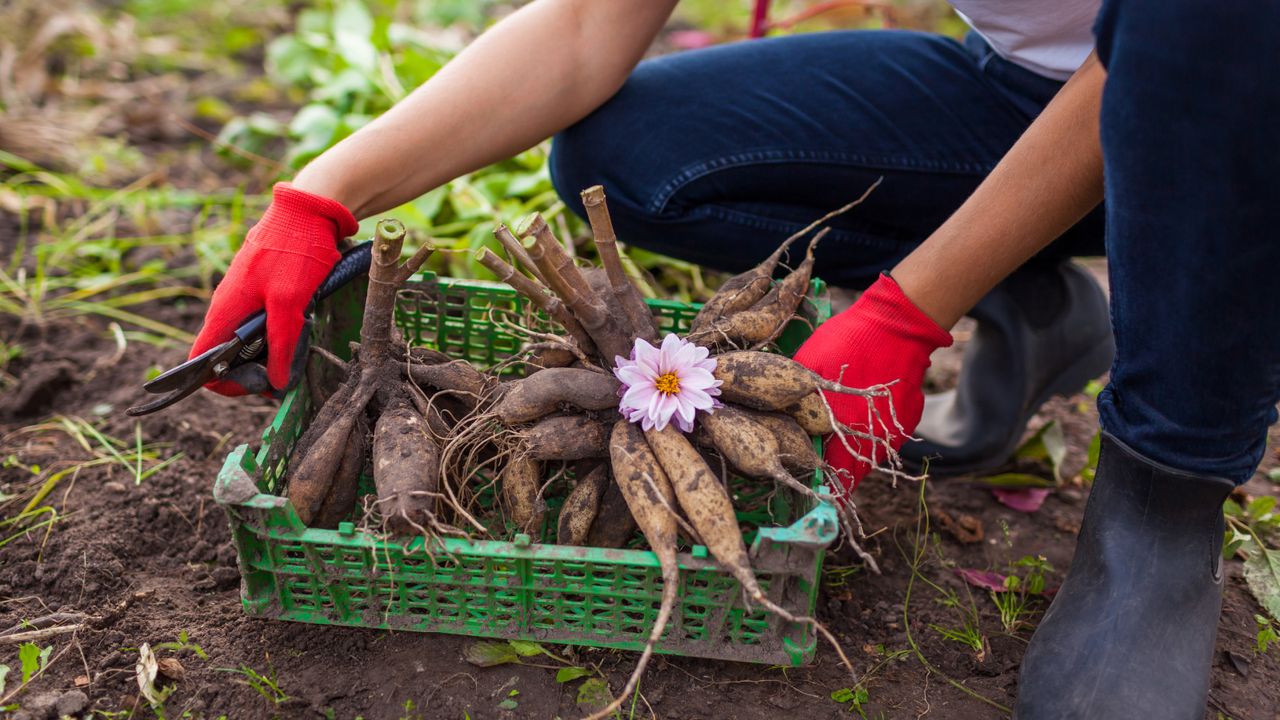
[{"x": 1049, "y": 37}]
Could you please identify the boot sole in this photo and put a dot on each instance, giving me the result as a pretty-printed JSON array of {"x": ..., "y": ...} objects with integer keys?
[{"x": 1069, "y": 382}]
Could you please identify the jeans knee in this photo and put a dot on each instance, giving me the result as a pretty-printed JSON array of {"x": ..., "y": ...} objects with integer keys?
[{"x": 579, "y": 160}]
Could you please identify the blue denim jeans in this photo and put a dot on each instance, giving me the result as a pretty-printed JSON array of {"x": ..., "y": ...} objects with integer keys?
[
  {"x": 1193, "y": 229},
  {"x": 714, "y": 156}
]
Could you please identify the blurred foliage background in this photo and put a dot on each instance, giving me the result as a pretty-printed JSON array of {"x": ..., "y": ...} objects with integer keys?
[{"x": 139, "y": 138}]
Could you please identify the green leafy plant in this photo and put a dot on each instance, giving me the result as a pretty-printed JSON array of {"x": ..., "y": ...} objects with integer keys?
[
  {"x": 1252, "y": 532},
  {"x": 1049, "y": 445},
  {"x": 410, "y": 711},
  {"x": 351, "y": 65},
  {"x": 855, "y": 698},
  {"x": 967, "y": 633},
  {"x": 593, "y": 692},
  {"x": 1090, "y": 470},
  {"x": 32, "y": 660}
]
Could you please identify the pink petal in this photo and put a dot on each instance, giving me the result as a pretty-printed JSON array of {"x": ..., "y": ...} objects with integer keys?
[
  {"x": 685, "y": 426},
  {"x": 1026, "y": 500},
  {"x": 685, "y": 355},
  {"x": 696, "y": 378},
  {"x": 985, "y": 579},
  {"x": 632, "y": 375},
  {"x": 651, "y": 407},
  {"x": 685, "y": 409},
  {"x": 646, "y": 355},
  {"x": 698, "y": 399},
  {"x": 668, "y": 404},
  {"x": 672, "y": 342},
  {"x": 638, "y": 396}
]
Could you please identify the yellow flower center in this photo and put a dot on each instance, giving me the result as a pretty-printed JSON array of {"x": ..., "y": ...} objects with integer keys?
[{"x": 668, "y": 384}]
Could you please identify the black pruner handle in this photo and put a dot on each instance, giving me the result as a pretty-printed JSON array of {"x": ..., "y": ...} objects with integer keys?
[{"x": 353, "y": 263}]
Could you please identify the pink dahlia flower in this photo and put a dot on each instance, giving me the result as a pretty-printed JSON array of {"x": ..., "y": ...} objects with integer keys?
[{"x": 667, "y": 384}]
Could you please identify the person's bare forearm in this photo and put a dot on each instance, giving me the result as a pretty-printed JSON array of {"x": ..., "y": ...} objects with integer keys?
[
  {"x": 1049, "y": 180},
  {"x": 531, "y": 75}
]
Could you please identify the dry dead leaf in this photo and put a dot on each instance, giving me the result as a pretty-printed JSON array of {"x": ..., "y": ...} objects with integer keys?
[
  {"x": 171, "y": 668},
  {"x": 966, "y": 528},
  {"x": 146, "y": 670}
]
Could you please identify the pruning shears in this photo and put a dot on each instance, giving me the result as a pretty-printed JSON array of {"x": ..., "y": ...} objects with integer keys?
[{"x": 248, "y": 343}]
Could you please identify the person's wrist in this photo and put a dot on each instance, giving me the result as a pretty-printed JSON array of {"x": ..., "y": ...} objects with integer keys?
[{"x": 320, "y": 178}]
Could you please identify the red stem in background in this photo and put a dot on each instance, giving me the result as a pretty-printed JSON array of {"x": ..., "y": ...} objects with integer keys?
[{"x": 759, "y": 18}]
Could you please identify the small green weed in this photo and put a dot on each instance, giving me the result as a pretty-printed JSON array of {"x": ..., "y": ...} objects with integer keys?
[
  {"x": 855, "y": 699},
  {"x": 183, "y": 644},
  {"x": 1024, "y": 590},
  {"x": 1266, "y": 634},
  {"x": 268, "y": 685},
  {"x": 410, "y": 711},
  {"x": 592, "y": 693},
  {"x": 968, "y": 633},
  {"x": 32, "y": 661}
]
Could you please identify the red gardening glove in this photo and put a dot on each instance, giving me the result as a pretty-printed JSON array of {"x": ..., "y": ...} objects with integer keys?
[
  {"x": 882, "y": 338},
  {"x": 285, "y": 258}
]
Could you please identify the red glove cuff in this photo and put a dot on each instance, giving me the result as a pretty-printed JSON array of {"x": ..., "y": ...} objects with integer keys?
[
  {"x": 295, "y": 212},
  {"x": 885, "y": 302},
  {"x": 883, "y": 313}
]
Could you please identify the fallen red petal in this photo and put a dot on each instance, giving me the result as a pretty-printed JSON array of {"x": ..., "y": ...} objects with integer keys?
[
  {"x": 986, "y": 579},
  {"x": 1026, "y": 500}
]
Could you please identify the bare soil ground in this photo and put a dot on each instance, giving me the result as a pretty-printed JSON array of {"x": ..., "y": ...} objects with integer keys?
[{"x": 148, "y": 561}]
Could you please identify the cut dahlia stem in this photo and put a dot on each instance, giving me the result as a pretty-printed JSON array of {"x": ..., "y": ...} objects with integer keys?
[
  {"x": 538, "y": 295},
  {"x": 558, "y": 266},
  {"x": 384, "y": 281},
  {"x": 516, "y": 252},
  {"x": 625, "y": 293},
  {"x": 568, "y": 282}
]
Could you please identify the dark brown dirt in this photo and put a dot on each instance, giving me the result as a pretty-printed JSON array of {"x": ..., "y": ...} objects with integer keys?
[{"x": 149, "y": 561}]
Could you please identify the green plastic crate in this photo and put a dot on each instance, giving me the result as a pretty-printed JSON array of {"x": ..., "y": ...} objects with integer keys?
[{"x": 521, "y": 589}]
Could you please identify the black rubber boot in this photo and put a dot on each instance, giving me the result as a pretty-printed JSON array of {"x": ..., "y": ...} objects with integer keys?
[
  {"x": 1130, "y": 634},
  {"x": 1045, "y": 331}
]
